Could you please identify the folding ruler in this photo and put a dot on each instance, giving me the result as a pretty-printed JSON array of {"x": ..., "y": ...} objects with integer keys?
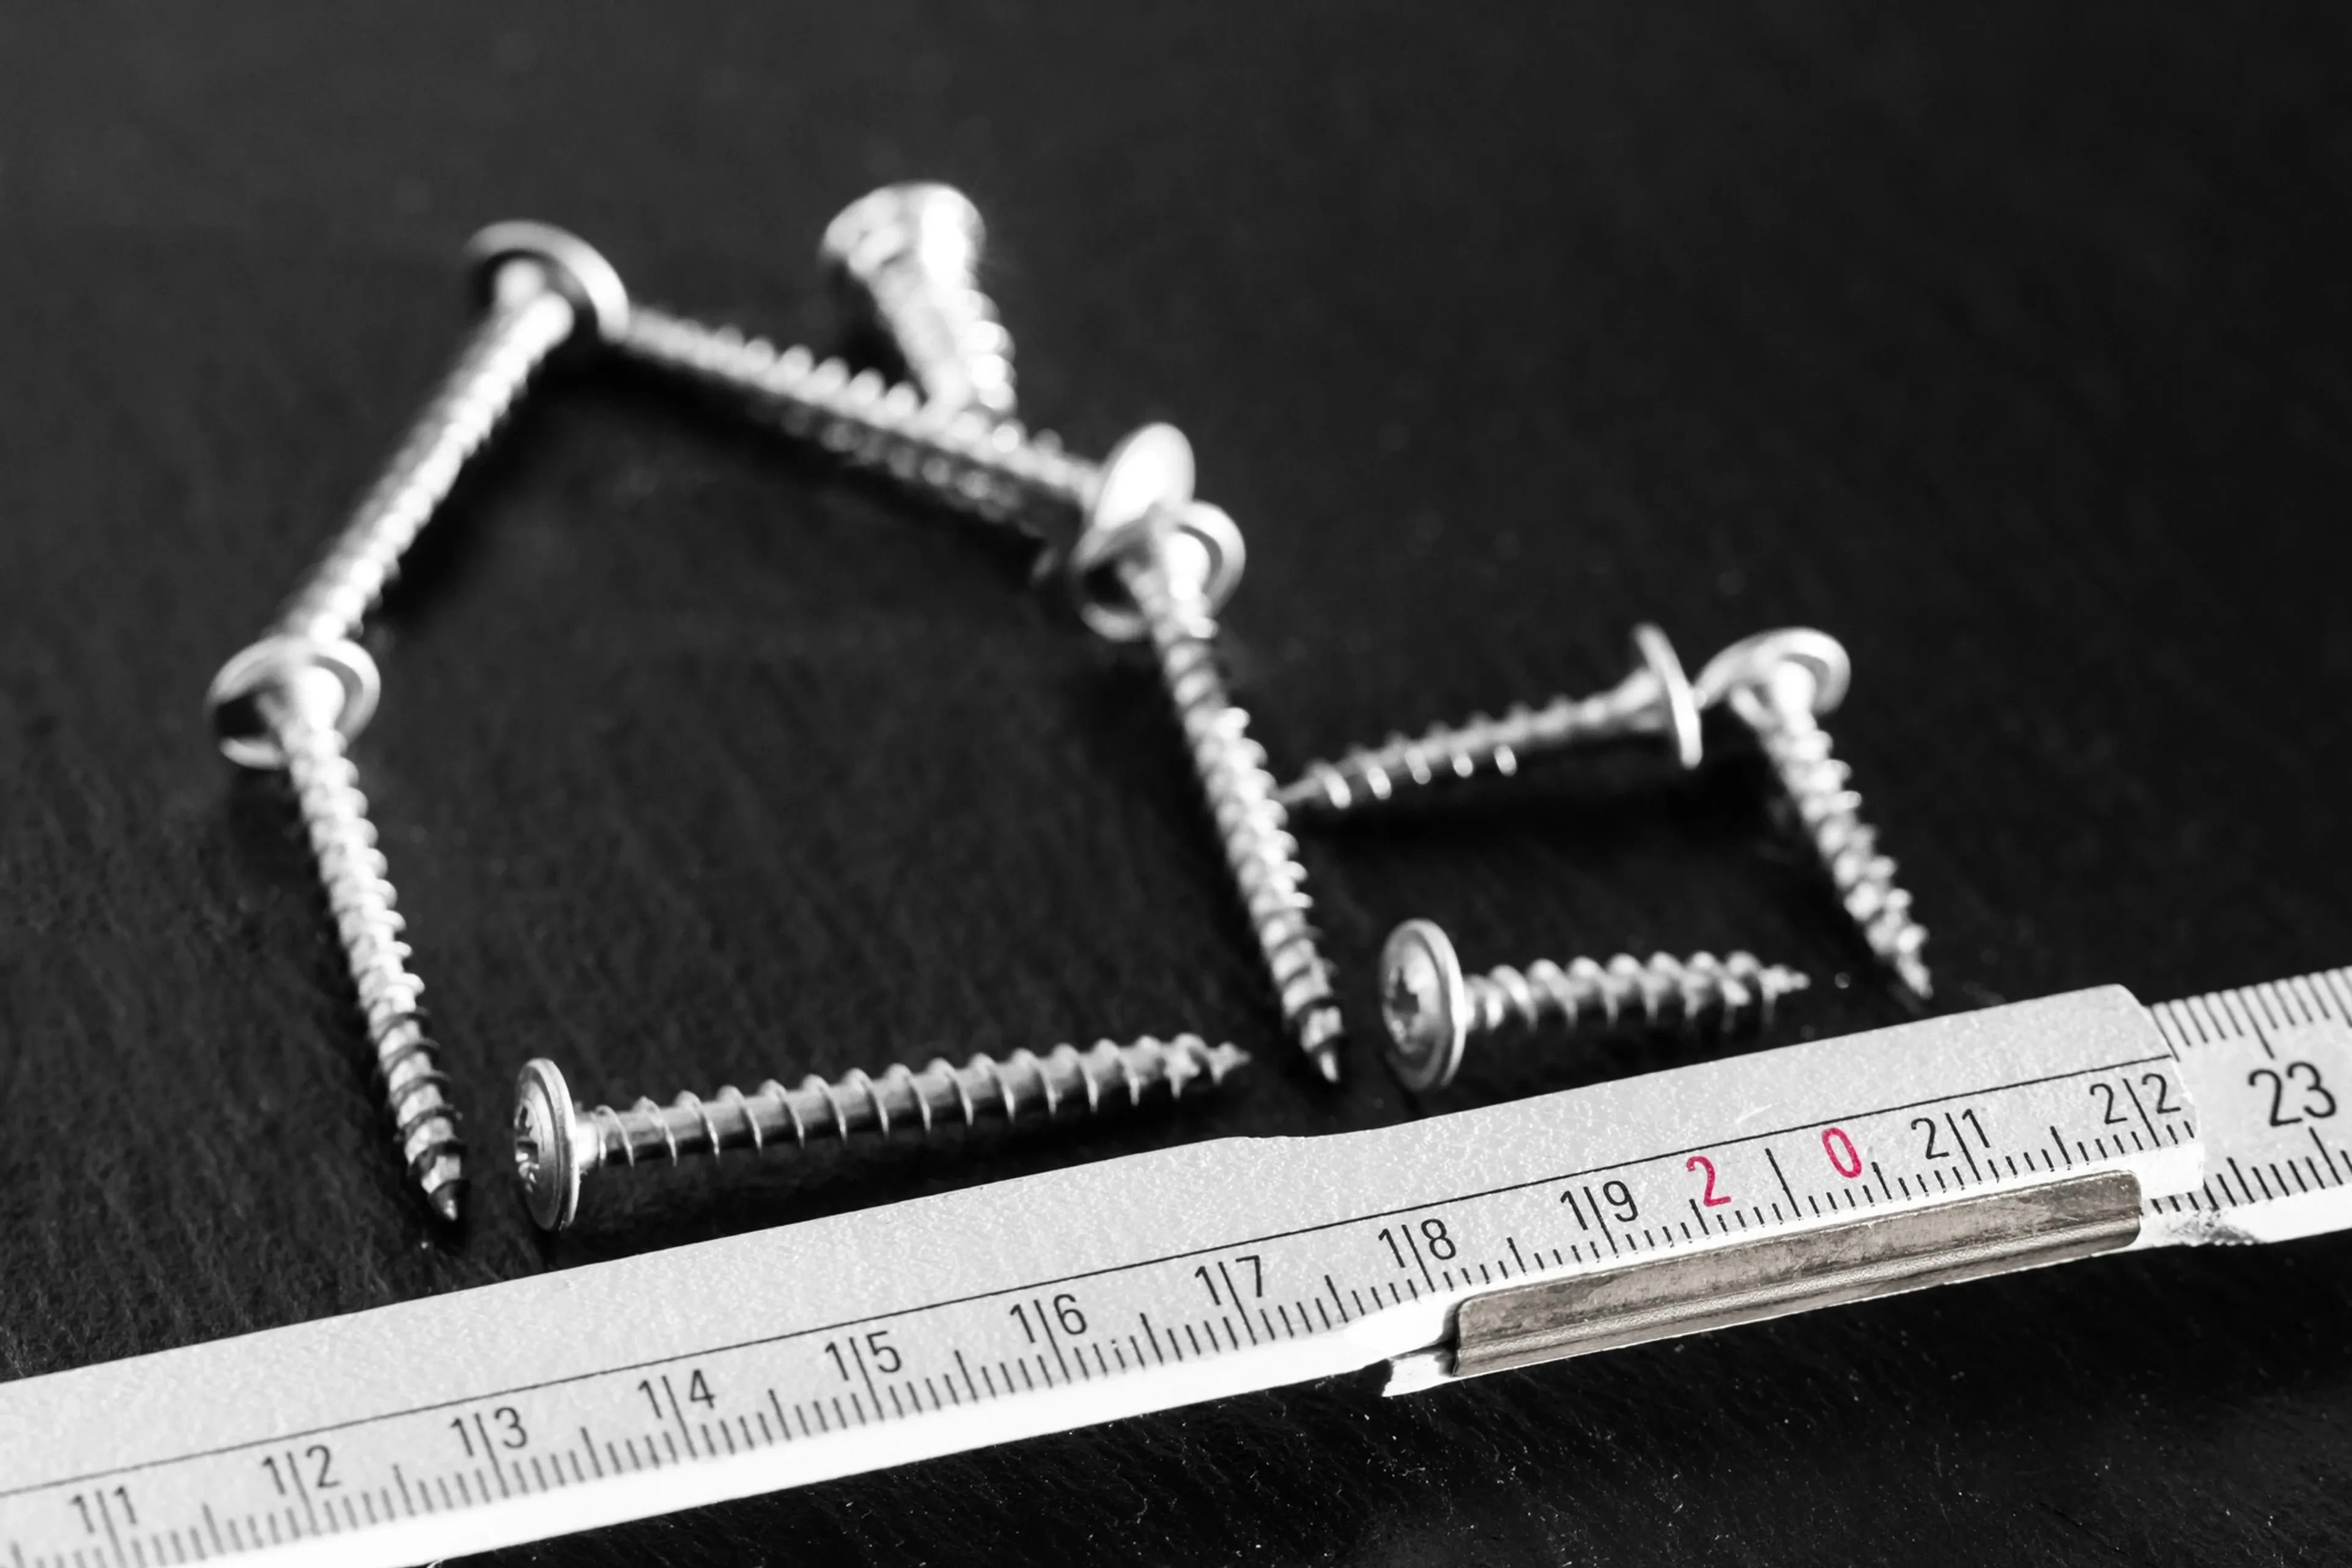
[{"x": 1450, "y": 1248}]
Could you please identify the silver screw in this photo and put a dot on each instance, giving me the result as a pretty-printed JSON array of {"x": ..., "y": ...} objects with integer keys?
[
  {"x": 1655, "y": 701},
  {"x": 1779, "y": 683},
  {"x": 539, "y": 285},
  {"x": 558, "y": 1143},
  {"x": 307, "y": 703},
  {"x": 1154, "y": 562},
  {"x": 1434, "y": 1011},
  {"x": 909, "y": 254}
]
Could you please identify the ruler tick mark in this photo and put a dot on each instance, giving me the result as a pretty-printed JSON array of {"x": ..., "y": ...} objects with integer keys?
[{"x": 858, "y": 1356}]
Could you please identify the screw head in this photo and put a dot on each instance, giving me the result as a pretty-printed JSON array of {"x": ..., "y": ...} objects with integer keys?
[
  {"x": 1665, "y": 666},
  {"x": 338, "y": 676},
  {"x": 1753, "y": 661},
  {"x": 566, "y": 263},
  {"x": 1143, "y": 499},
  {"x": 544, "y": 1154},
  {"x": 935, "y": 225},
  {"x": 1425, "y": 1003}
]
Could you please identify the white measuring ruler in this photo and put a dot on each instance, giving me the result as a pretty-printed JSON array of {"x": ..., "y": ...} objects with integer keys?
[{"x": 1709, "y": 1196}]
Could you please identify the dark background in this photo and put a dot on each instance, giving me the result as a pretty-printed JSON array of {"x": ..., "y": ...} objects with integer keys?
[{"x": 2010, "y": 346}]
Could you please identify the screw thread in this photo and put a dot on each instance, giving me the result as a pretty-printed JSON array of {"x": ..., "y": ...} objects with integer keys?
[
  {"x": 1024, "y": 1087},
  {"x": 496, "y": 363},
  {"x": 947, "y": 331},
  {"x": 1251, "y": 822},
  {"x": 360, "y": 896},
  {"x": 1830, "y": 811},
  {"x": 1628, "y": 993},
  {"x": 987, "y": 468},
  {"x": 1368, "y": 775}
]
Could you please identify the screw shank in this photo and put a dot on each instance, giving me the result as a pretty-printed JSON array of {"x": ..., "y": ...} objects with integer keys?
[
  {"x": 1369, "y": 774},
  {"x": 978, "y": 466},
  {"x": 353, "y": 872},
  {"x": 1831, "y": 814},
  {"x": 511, "y": 342},
  {"x": 1252, "y": 826}
]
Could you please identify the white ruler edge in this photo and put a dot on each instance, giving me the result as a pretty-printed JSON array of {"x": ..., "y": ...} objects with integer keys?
[{"x": 201, "y": 1436}]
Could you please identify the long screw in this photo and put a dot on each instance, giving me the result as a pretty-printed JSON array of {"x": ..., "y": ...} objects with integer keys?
[
  {"x": 301, "y": 709},
  {"x": 1434, "y": 1011},
  {"x": 1779, "y": 683},
  {"x": 1655, "y": 702},
  {"x": 910, "y": 254},
  {"x": 557, "y": 1143},
  {"x": 540, "y": 286}
]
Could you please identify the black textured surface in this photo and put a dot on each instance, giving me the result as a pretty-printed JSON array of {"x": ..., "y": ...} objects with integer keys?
[{"x": 2007, "y": 343}]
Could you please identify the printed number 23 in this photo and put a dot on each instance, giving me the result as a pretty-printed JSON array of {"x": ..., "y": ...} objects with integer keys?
[{"x": 2318, "y": 1103}]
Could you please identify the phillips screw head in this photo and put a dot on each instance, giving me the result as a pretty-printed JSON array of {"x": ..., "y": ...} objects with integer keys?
[{"x": 1426, "y": 1002}]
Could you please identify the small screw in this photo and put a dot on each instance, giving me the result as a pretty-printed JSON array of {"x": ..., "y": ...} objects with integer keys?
[
  {"x": 1434, "y": 1011},
  {"x": 1655, "y": 701},
  {"x": 1779, "y": 683},
  {"x": 911, "y": 254},
  {"x": 557, "y": 1143}
]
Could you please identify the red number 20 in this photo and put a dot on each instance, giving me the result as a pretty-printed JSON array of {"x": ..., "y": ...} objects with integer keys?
[
  {"x": 1834, "y": 1143},
  {"x": 1701, "y": 1163}
]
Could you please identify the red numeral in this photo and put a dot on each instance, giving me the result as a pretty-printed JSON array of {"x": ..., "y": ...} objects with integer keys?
[
  {"x": 1701, "y": 1163},
  {"x": 1834, "y": 1143}
]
